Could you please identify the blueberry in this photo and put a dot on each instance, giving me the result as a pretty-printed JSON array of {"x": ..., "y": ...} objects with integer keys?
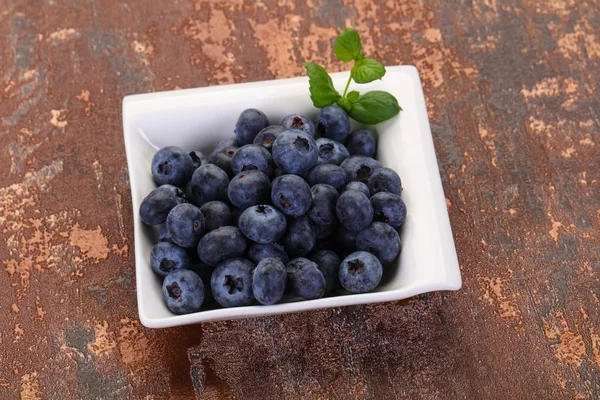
[
  {"x": 209, "y": 183},
  {"x": 231, "y": 282},
  {"x": 381, "y": 240},
  {"x": 354, "y": 210},
  {"x": 300, "y": 237},
  {"x": 324, "y": 231},
  {"x": 164, "y": 235},
  {"x": 267, "y": 136},
  {"x": 156, "y": 206},
  {"x": 346, "y": 237},
  {"x": 253, "y": 157},
  {"x": 388, "y": 208},
  {"x": 324, "y": 199},
  {"x": 300, "y": 122},
  {"x": 305, "y": 278},
  {"x": 222, "y": 243},
  {"x": 223, "y": 158},
  {"x": 330, "y": 174},
  {"x": 295, "y": 152},
  {"x": 198, "y": 158},
  {"x": 329, "y": 264},
  {"x": 171, "y": 165},
  {"x": 249, "y": 188},
  {"x": 216, "y": 214},
  {"x": 356, "y": 185},
  {"x": 262, "y": 224},
  {"x": 291, "y": 194},
  {"x": 361, "y": 142},
  {"x": 331, "y": 151},
  {"x": 385, "y": 180},
  {"x": 249, "y": 123},
  {"x": 259, "y": 251},
  {"x": 185, "y": 223},
  {"x": 183, "y": 291},
  {"x": 166, "y": 257},
  {"x": 333, "y": 122},
  {"x": 360, "y": 168},
  {"x": 268, "y": 281},
  {"x": 231, "y": 142},
  {"x": 360, "y": 272}
]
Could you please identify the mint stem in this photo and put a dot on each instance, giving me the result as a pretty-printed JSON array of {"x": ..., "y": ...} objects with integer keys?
[{"x": 347, "y": 85}]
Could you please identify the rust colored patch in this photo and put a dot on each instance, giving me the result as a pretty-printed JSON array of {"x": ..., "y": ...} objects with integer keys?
[
  {"x": 494, "y": 294},
  {"x": 19, "y": 332},
  {"x": 30, "y": 389},
  {"x": 84, "y": 95},
  {"x": 104, "y": 340},
  {"x": 276, "y": 39},
  {"x": 214, "y": 38},
  {"x": 556, "y": 225},
  {"x": 39, "y": 309},
  {"x": 133, "y": 344},
  {"x": 62, "y": 34},
  {"x": 570, "y": 348},
  {"x": 92, "y": 243},
  {"x": 595, "y": 340},
  {"x": 59, "y": 118}
]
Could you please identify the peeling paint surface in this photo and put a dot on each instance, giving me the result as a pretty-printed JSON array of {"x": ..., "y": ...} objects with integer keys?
[{"x": 512, "y": 95}]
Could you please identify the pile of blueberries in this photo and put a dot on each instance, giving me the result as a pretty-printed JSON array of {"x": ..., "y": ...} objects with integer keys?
[{"x": 297, "y": 207}]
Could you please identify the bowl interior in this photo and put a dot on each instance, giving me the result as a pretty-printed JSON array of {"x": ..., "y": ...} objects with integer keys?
[{"x": 198, "y": 119}]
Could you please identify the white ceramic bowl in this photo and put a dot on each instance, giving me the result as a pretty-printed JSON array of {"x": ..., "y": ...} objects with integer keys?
[{"x": 198, "y": 119}]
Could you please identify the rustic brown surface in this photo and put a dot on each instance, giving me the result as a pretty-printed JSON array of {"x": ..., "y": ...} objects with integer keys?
[{"x": 514, "y": 105}]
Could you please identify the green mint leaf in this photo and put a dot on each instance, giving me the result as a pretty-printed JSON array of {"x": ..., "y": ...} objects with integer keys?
[
  {"x": 374, "y": 107},
  {"x": 322, "y": 92},
  {"x": 367, "y": 70},
  {"x": 344, "y": 103},
  {"x": 353, "y": 96},
  {"x": 347, "y": 45}
]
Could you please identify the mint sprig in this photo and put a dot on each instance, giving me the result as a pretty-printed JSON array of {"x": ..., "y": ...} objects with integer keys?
[{"x": 370, "y": 108}]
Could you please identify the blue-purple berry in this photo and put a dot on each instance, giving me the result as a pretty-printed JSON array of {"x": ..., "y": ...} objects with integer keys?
[
  {"x": 171, "y": 165},
  {"x": 299, "y": 122},
  {"x": 295, "y": 152},
  {"x": 385, "y": 180},
  {"x": 156, "y": 206},
  {"x": 231, "y": 282},
  {"x": 269, "y": 281},
  {"x": 249, "y": 188},
  {"x": 362, "y": 142},
  {"x": 166, "y": 257},
  {"x": 331, "y": 151},
  {"x": 183, "y": 291},
  {"x": 381, "y": 240},
  {"x": 333, "y": 123},
  {"x": 360, "y": 272},
  {"x": 305, "y": 278},
  {"x": 249, "y": 124},
  {"x": 185, "y": 223},
  {"x": 221, "y": 244},
  {"x": 388, "y": 208},
  {"x": 262, "y": 224},
  {"x": 291, "y": 195},
  {"x": 354, "y": 210}
]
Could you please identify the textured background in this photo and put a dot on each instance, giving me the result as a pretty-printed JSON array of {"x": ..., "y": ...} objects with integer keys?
[{"x": 512, "y": 92}]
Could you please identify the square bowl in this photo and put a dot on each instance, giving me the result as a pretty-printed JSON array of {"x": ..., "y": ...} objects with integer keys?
[{"x": 198, "y": 119}]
